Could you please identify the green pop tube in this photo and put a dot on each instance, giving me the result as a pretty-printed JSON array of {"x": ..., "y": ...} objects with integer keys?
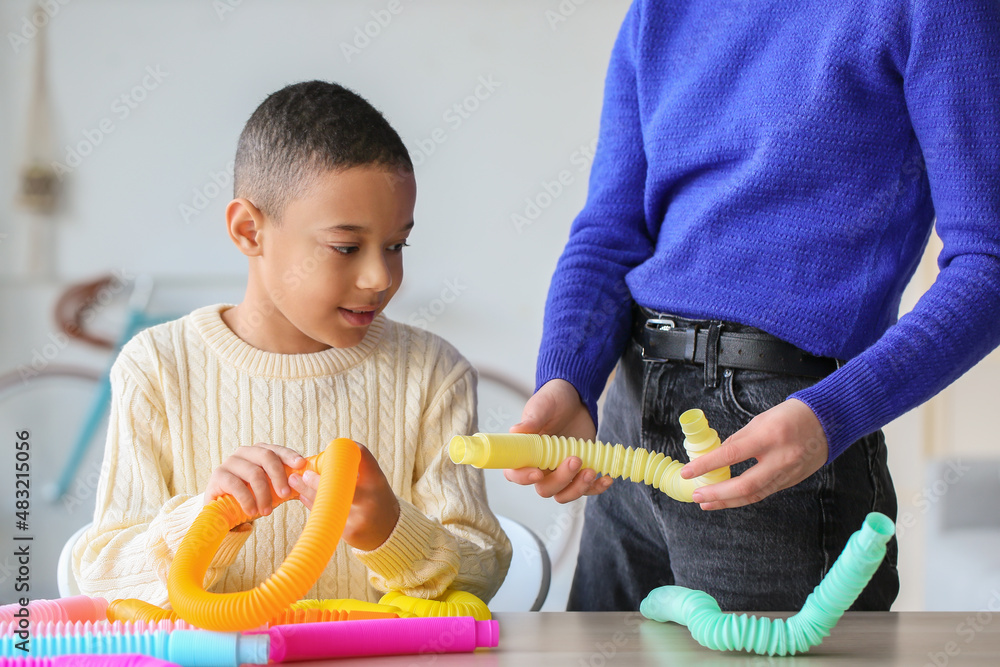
[{"x": 766, "y": 636}]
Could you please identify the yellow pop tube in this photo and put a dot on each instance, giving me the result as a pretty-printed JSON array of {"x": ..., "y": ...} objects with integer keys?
[
  {"x": 347, "y": 604},
  {"x": 452, "y": 603},
  {"x": 522, "y": 450},
  {"x": 227, "y": 612}
]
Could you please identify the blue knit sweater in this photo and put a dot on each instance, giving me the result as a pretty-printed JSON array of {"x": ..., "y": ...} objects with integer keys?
[{"x": 779, "y": 163}]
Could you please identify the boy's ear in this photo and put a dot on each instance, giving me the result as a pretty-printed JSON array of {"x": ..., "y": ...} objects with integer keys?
[{"x": 245, "y": 223}]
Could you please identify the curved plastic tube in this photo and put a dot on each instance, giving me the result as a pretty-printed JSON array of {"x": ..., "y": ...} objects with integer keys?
[
  {"x": 303, "y": 611},
  {"x": 71, "y": 609},
  {"x": 452, "y": 603},
  {"x": 96, "y": 627},
  {"x": 345, "y": 604},
  {"x": 823, "y": 608},
  {"x": 338, "y": 469},
  {"x": 520, "y": 450},
  {"x": 131, "y": 609},
  {"x": 188, "y": 648},
  {"x": 88, "y": 661},
  {"x": 317, "y": 641},
  {"x": 293, "y": 616}
]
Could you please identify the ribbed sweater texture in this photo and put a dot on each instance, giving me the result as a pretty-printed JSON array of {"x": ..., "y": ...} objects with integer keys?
[
  {"x": 780, "y": 164},
  {"x": 187, "y": 393}
]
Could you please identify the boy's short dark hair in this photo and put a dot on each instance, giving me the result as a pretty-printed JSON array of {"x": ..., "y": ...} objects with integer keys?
[{"x": 305, "y": 130}]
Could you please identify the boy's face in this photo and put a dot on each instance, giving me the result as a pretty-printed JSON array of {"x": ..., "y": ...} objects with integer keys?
[{"x": 336, "y": 258}]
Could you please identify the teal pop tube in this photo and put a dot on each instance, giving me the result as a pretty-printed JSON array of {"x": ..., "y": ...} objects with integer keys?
[
  {"x": 188, "y": 648},
  {"x": 381, "y": 636},
  {"x": 823, "y": 608},
  {"x": 88, "y": 661}
]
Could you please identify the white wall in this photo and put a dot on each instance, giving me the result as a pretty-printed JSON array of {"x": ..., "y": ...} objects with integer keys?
[{"x": 123, "y": 200}]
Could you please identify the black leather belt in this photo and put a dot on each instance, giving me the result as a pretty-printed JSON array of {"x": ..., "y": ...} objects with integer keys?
[{"x": 706, "y": 342}]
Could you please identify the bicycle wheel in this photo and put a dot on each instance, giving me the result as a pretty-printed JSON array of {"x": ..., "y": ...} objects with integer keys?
[{"x": 50, "y": 406}]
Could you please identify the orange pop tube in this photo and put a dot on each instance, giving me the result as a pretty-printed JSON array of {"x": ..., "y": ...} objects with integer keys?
[
  {"x": 303, "y": 611},
  {"x": 228, "y": 612},
  {"x": 131, "y": 609}
]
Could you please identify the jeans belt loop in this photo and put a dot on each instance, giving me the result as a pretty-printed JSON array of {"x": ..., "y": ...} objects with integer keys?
[
  {"x": 712, "y": 355},
  {"x": 690, "y": 343}
]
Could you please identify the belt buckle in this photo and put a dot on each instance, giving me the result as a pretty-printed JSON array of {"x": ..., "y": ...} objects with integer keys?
[
  {"x": 657, "y": 324},
  {"x": 660, "y": 324}
]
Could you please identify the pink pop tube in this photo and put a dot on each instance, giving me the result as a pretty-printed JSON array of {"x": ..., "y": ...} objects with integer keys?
[
  {"x": 88, "y": 661},
  {"x": 73, "y": 609},
  {"x": 383, "y": 636}
]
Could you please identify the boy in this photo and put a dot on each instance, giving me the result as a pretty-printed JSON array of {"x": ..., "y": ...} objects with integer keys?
[{"x": 324, "y": 197}]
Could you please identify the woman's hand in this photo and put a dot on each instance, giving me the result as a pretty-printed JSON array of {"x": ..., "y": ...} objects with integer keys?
[
  {"x": 789, "y": 444},
  {"x": 556, "y": 409}
]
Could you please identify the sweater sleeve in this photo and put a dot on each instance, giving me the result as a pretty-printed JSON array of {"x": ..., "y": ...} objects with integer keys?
[
  {"x": 447, "y": 537},
  {"x": 588, "y": 311},
  {"x": 139, "y": 521},
  {"x": 952, "y": 88}
]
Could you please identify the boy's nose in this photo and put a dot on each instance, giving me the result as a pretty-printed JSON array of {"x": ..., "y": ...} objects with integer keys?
[{"x": 375, "y": 275}]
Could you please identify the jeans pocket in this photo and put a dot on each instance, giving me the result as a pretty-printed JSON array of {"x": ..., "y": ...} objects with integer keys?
[{"x": 749, "y": 393}]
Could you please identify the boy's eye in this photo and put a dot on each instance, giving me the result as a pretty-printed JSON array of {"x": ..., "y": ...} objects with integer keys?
[
  {"x": 396, "y": 247},
  {"x": 345, "y": 249}
]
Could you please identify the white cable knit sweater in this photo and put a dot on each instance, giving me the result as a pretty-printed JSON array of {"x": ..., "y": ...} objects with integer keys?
[{"x": 189, "y": 392}]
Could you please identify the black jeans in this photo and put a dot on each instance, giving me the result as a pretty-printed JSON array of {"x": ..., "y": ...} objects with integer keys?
[{"x": 767, "y": 556}]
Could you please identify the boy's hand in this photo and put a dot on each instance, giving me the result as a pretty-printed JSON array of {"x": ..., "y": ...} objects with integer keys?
[
  {"x": 788, "y": 443},
  {"x": 374, "y": 510},
  {"x": 249, "y": 475},
  {"x": 556, "y": 409}
]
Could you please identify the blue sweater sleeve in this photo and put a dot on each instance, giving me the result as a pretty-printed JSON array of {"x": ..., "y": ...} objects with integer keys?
[
  {"x": 952, "y": 89},
  {"x": 587, "y": 314}
]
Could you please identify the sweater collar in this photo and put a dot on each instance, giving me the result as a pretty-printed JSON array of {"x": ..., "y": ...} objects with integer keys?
[{"x": 232, "y": 349}]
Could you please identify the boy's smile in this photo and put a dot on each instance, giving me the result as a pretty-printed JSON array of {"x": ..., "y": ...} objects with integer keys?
[{"x": 333, "y": 261}]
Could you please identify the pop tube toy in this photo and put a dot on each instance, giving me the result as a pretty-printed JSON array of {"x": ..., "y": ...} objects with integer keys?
[
  {"x": 302, "y": 641},
  {"x": 187, "y": 648},
  {"x": 131, "y": 609},
  {"x": 523, "y": 450},
  {"x": 88, "y": 661},
  {"x": 72, "y": 609},
  {"x": 452, "y": 603},
  {"x": 399, "y": 636},
  {"x": 96, "y": 627},
  {"x": 338, "y": 470},
  {"x": 823, "y": 608}
]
